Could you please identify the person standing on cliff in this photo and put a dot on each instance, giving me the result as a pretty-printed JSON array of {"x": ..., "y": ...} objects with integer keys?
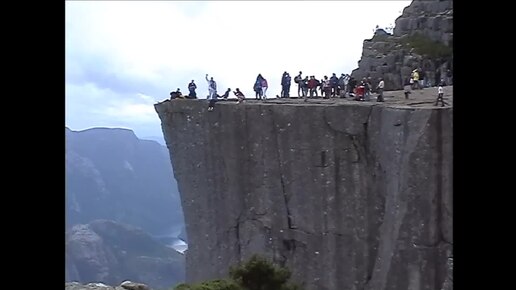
[
  {"x": 265, "y": 86},
  {"x": 379, "y": 90},
  {"x": 191, "y": 88},
  {"x": 415, "y": 77},
  {"x": 298, "y": 80},
  {"x": 352, "y": 83},
  {"x": 283, "y": 89},
  {"x": 334, "y": 83},
  {"x": 312, "y": 86},
  {"x": 326, "y": 87},
  {"x": 304, "y": 87},
  {"x": 257, "y": 87},
  {"x": 285, "y": 85},
  {"x": 212, "y": 90},
  {"x": 342, "y": 86},
  {"x": 440, "y": 94}
]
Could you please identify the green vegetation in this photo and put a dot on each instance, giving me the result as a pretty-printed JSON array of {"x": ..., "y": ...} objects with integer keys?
[
  {"x": 210, "y": 285},
  {"x": 256, "y": 274},
  {"x": 426, "y": 47}
]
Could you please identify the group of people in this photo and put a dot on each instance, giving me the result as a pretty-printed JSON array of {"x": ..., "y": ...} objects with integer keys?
[
  {"x": 420, "y": 78},
  {"x": 308, "y": 87},
  {"x": 260, "y": 87},
  {"x": 213, "y": 96},
  {"x": 329, "y": 87},
  {"x": 332, "y": 87},
  {"x": 416, "y": 82},
  {"x": 191, "y": 95}
]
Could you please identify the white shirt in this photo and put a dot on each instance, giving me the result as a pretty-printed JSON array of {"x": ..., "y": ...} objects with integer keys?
[
  {"x": 381, "y": 84},
  {"x": 440, "y": 90}
]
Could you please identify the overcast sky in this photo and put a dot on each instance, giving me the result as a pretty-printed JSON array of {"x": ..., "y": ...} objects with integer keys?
[{"x": 124, "y": 56}]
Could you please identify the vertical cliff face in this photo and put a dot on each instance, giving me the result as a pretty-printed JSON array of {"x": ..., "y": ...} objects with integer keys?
[
  {"x": 347, "y": 196},
  {"x": 422, "y": 38}
]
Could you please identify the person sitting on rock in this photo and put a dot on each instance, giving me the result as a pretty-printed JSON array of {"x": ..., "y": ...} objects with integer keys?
[
  {"x": 176, "y": 95},
  {"x": 359, "y": 92},
  {"x": 211, "y": 104},
  {"x": 225, "y": 95}
]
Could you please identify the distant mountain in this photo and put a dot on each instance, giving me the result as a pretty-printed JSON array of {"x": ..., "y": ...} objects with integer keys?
[
  {"x": 111, "y": 174},
  {"x": 109, "y": 252},
  {"x": 158, "y": 139}
]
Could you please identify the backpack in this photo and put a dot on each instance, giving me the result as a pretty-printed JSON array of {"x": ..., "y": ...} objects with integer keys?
[{"x": 297, "y": 79}]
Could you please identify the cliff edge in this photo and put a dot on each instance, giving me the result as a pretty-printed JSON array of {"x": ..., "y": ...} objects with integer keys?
[{"x": 347, "y": 195}]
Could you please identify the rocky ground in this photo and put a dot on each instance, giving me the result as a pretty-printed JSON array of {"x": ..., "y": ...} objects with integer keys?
[
  {"x": 127, "y": 285},
  {"x": 424, "y": 98}
]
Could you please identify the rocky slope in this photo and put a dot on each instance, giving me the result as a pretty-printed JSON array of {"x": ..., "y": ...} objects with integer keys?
[
  {"x": 347, "y": 195},
  {"x": 422, "y": 38},
  {"x": 126, "y": 285},
  {"x": 111, "y": 174},
  {"x": 109, "y": 252},
  {"x": 432, "y": 18}
]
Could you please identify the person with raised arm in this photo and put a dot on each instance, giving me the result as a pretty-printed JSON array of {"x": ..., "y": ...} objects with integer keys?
[{"x": 212, "y": 93}]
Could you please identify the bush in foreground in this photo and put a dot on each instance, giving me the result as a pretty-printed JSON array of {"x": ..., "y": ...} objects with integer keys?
[{"x": 255, "y": 274}]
